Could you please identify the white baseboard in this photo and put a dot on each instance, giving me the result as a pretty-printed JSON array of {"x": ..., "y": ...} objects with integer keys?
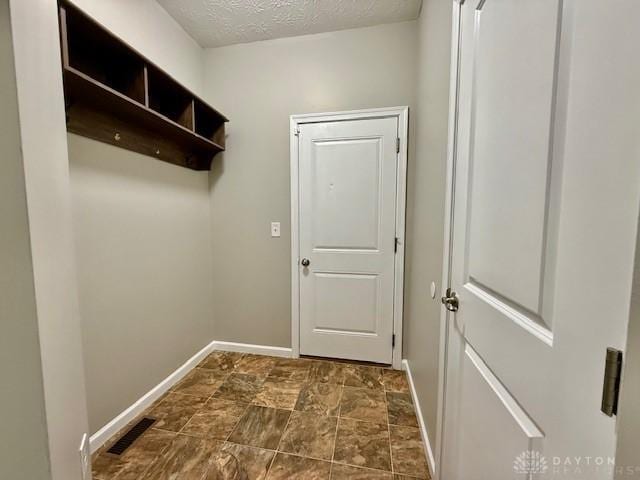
[
  {"x": 110, "y": 429},
  {"x": 256, "y": 349},
  {"x": 421, "y": 424}
]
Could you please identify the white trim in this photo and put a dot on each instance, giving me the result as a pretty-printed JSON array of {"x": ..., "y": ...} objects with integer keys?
[
  {"x": 423, "y": 427},
  {"x": 402, "y": 114},
  {"x": 110, "y": 429},
  {"x": 256, "y": 349},
  {"x": 401, "y": 210},
  {"x": 349, "y": 115},
  {"x": 448, "y": 230},
  {"x": 295, "y": 245},
  {"x": 524, "y": 421},
  {"x": 118, "y": 423}
]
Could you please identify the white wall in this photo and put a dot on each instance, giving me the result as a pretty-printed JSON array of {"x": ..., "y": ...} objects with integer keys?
[
  {"x": 142, "y": 237},
  {"x": 425, "y": 207},
  {"x": 22, "y": 407},
  {"x": 46, "y": 171},
  {"x": 258, "y": 86},
  {"x": 144, "y": 269}
]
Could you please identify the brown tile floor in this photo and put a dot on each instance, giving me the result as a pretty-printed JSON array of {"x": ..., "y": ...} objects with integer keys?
[{"x": 251, "y": 417}]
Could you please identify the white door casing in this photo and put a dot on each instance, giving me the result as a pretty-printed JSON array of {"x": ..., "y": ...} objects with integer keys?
[
  {"x": 348, "y": 186},
  {"x": 538, "y": 250}
]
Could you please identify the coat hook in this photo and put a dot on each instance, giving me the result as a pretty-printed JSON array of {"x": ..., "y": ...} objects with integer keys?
[{"x": 117, "y": 136}]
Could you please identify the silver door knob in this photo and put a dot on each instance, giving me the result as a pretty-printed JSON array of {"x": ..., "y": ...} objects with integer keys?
[
  {"x": 305, "y": 262},
  {"x": 450, "y": 301}
]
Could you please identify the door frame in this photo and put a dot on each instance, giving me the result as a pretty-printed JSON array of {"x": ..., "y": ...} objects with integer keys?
[
  {"x": 402, "y": 114},
  {"x": 448, "y": 227}
]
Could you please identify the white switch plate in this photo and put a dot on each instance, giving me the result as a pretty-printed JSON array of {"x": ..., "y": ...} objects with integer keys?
[
  {"x": 85, "y": 457},
  {"x": 275, "y": 229}
]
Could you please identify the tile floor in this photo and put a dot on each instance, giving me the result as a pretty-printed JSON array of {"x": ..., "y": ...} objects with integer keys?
[{"x": 251, "y": 417}]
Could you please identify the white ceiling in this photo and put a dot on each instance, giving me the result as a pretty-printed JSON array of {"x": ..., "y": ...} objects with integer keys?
[{"x": 214, "y": 23}]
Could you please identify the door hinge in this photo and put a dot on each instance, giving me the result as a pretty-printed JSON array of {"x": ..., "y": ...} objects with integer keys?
[
  {"x": 296, "y": 132},
  {"x": 611, "y": 387},
  {"x": 398, "y": 145},
  {"x": 395, "y": 245},
  {"x": 393, "y": 340}
]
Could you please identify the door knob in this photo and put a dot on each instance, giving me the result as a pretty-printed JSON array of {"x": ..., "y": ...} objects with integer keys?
[
  {"x": 450, "y": 300},
  {"x": 305, "y": 262}
]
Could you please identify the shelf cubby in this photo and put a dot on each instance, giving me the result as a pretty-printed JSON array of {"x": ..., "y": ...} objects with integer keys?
[
  {"x": 115, "y": 95},
  {"x": 103, "y": 60},
  {"x": 207, "y": 124},
  {"x": 170, "y": 99}
]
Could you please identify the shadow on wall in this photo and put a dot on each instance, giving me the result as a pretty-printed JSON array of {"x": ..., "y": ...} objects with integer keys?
[
  {"x": 130, "y": 167},
  {"x": 217, "y": 168}
]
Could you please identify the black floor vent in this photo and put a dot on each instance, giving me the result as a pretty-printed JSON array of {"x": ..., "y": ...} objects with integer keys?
[{"x": 131, "y": 436}]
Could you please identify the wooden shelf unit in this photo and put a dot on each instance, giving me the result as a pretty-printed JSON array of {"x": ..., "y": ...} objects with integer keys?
[{"x": 115, "y": 95}]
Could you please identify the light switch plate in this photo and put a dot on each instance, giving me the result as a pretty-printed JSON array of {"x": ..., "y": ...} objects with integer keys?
[
  {"x": 275, "y": 229},
  {"x": 85, "y": 457}
]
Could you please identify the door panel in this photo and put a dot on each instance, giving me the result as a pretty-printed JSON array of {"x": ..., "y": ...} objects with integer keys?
[
  {"x": 500, "y": 413},
  {"x": 347, "y": 232},
  {"x": 346, "y": 189},
  {"x": 339, "y": 295},
  {"x": 541, "y": 172},
  {"x": 511, "y": 116}
]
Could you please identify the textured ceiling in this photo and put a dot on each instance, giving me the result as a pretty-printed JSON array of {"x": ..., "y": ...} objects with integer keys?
[{"x": 214, "y": 23}]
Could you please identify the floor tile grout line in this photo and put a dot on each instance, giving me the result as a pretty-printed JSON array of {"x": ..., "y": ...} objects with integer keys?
[
  {"x": 377, "y": 470},
  {"x": 386, "y": 402},
  {"x": 282, "y": 452},
  {"x": 237, "y": 422},
  {"x": 203, "y": 405},
  {"x": 197, "y": 411},
  {"x": 247, "y": 408},
  {"x": 335, "y": 439},
  {"x": 206, "y": 473},
  {"x": 275, "y": 452},
  {"x": 283, "y": 432},
  {"x": 241, "y": 416},
  {"x": 279, "y": 442},
  {"x": 273, "y": 459},
  {"x": 311, "y": 458}
]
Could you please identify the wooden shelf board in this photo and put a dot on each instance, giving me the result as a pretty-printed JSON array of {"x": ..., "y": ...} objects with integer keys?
[{"x": 114, "y": 112}]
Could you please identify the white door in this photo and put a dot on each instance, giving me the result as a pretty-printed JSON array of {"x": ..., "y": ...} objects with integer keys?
[
  {"x": 347, "y": 195},
  {"x": 545, "y": 207}
]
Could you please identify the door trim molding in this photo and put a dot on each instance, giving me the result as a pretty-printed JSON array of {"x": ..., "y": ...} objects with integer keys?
[
  {"x": 402, "y": 114},
  {"x": 448, "y": 228}
]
